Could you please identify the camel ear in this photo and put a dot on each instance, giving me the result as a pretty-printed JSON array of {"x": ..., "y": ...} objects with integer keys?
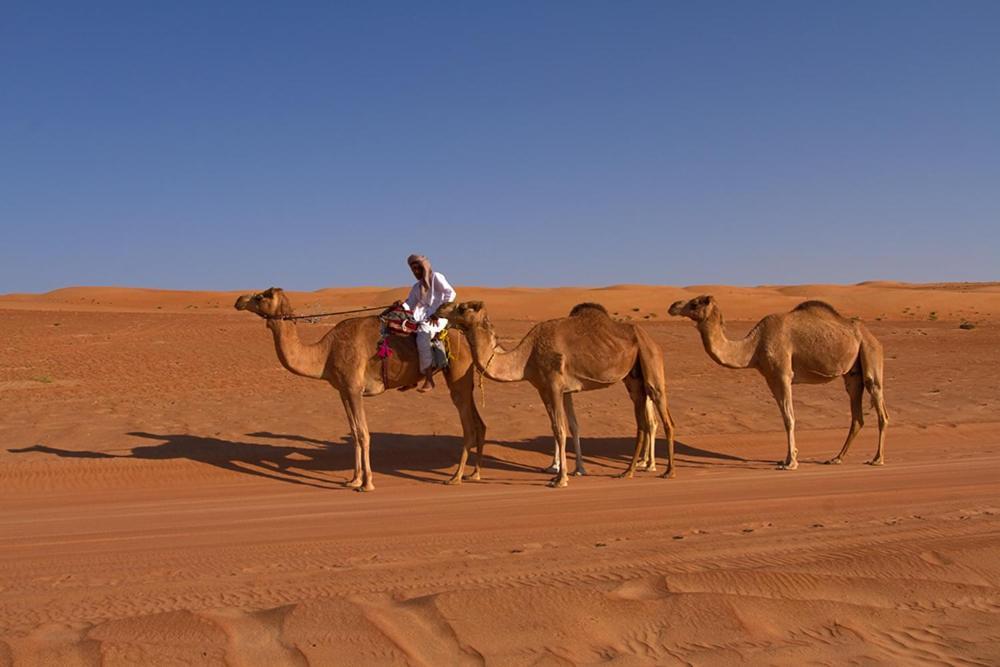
[{"x": 474, "y": 306}]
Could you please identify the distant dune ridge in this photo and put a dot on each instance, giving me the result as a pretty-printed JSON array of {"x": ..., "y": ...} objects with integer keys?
[{"x": 869, "y": 300}]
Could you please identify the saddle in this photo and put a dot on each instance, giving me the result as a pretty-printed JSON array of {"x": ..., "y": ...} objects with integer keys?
[{"x": 397, "y": 322}]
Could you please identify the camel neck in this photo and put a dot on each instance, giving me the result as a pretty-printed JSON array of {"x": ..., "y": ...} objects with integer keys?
[
  {"x": 728, "y": 353},
  {"x": 305, "y": 360},
  {"x": 491, "y": 359}
]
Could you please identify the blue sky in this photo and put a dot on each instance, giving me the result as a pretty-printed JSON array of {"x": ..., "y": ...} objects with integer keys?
[{"x": 213, "y": 145}]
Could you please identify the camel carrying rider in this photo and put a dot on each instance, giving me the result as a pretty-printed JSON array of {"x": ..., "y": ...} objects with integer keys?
[{"x": 427, "y": 296}]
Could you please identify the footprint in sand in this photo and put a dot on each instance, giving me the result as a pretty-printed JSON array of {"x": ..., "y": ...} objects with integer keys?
[
  {"x": 645, "y": 588},
  {"x": 936, "y": 558}
]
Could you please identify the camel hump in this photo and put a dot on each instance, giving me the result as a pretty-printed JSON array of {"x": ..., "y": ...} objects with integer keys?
[
  {"x": 588, "y": 307},
  {"x": 817, "y": 305}
]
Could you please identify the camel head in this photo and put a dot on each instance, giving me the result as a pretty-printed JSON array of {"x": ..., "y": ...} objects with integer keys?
[
  {"x": 466, "y": 315},
  {"x": 269, "y": 304},
  {"x": 698, "y": 309}
]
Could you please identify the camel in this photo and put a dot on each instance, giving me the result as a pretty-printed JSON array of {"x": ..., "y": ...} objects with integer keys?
[
  {"x": 811, "y": 344},
  {"x": 346, "y": 357},
  {"x": 585, "y": 351}
]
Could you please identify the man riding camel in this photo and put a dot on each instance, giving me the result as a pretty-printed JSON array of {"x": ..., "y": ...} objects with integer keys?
[{"x": 427, "y": 296}]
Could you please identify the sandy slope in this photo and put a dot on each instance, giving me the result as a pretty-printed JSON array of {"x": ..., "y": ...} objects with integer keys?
[{"x": 170, "y": 495}]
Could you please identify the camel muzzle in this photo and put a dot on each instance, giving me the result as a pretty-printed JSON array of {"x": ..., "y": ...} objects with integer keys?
[{"x": 676, "y": 308}]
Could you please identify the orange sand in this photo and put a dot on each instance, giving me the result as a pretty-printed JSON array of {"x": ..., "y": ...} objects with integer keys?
[{"x": 170, "y": 495}]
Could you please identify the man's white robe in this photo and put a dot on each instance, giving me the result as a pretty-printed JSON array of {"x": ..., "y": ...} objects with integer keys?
[{"x": 421, "y": 309}]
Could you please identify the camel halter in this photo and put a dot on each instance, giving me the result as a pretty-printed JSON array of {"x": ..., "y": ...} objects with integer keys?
[{"x": 319, "y": 315}]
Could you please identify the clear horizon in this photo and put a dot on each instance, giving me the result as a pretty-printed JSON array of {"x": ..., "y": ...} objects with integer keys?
[
  {"x": 293, "y": 288},
  {"x": 238, "y": 144}
]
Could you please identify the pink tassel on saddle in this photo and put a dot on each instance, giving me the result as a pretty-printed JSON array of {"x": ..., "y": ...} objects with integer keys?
[{"x": 383, "y": 349}]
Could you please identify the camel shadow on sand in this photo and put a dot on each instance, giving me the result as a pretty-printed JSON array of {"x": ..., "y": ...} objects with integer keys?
[
  {"x": 328, "y": 464},
  {"x": 617, "y": 453},
  {"x": 310, "y": 462}
]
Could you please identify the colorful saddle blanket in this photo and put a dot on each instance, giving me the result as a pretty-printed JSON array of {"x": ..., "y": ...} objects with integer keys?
[{"x": 396, "y": 321}]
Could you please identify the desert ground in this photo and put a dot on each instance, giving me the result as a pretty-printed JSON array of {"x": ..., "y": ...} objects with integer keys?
[{"x": 169, "y": 494}]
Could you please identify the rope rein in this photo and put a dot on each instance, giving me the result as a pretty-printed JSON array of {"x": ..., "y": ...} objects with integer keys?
[
  {"x": 318, "y": 315},
  {"x": 482, "y": 373}
]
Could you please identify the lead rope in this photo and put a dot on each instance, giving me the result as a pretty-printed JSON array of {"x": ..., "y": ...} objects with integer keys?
[
  {"x": 482, "y": 388},
  {"x": 339, "y": 312}
]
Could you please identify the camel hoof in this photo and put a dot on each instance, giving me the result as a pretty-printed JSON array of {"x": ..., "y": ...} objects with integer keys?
[
  {"x": 558, "y": 483},
  {"x": 670, "y": 474},
  {"x": 788, "y": 466},
  {"x": 625, "y": 475},
  {"x": 474, "y": 477},
  {"x": 579, "y": 472},
  {"x": 835, "y": 461},
  {"x": 552, "y": 469},
  {"x": 365, "y": 489},
  {"x": 453, "y": 481},
  {"x": 876, "y": 462},
  {"x": 353, "y": 484},
  {"x": 648, "y": 468}
]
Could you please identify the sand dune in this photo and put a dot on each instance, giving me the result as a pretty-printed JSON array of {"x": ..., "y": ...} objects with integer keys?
[
  {"x": 170, "y": 495},
  {"x": 870, "y": 300}
]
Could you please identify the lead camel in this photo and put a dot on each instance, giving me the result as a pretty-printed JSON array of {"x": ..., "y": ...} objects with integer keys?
[{"x": 346, "y": 358}]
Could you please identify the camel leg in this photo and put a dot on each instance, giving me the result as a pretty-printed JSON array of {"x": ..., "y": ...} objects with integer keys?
[
  {"x": 554, "y": 466},
  {"x": 883, "y": 420},
  {"x": 358, "y": 479},
  {"x": 460, "y": 471},
  {"x": 480, "y": 441},
  {"x": 462, "y": 388},
  {"x": 648, "y": 459},
  {"x": 655, "y": 386},
  {"x": 557, "y": 413},
  {"x": 658, "y": 394},
  {"x": 479, "y": 434},
  {"x": 781, "y": 388},
  {"x": 639, "y": 406},
  {"x": 871, "y": 364},
  {"x": 574, "y": 431},
  {"x": 465, "y": 403},
  {"x": 856, "y": 390},
  {"x": 356, "y": 413}
]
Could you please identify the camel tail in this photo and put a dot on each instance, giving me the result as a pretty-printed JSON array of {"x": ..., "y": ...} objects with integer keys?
[
  {"x": 653, "y": 375},
  {"x": 871, "y": 358}
]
